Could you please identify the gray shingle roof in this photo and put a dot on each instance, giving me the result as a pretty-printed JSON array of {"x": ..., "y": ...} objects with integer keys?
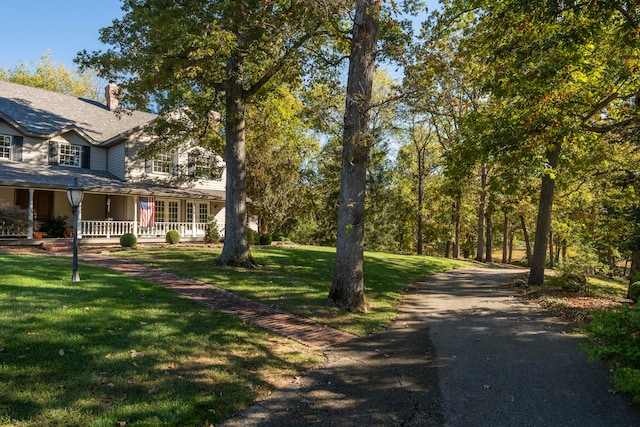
[
  {"x": 60, "y": 177},
  {"x": 45, "y": 113}
]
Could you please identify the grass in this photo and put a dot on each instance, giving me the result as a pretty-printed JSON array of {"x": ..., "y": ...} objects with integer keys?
[
  {"x": 112, "y": 350},
  {"x": 297, "y": 279}
]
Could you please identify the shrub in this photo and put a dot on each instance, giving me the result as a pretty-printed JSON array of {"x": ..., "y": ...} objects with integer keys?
[
  {"x": 634, "y": 291},
  {"x": 14, "y": 217},
  {"x": 253, "y": 236},
  {"x": 265, "y": 239},
  {"x": 55, "y": 227},
  {"x": 128, "y": 240},
  {"x": 172, "y": 237},
  {"x": 614, "y": 337},
  {"x": 212, "y": 235}
]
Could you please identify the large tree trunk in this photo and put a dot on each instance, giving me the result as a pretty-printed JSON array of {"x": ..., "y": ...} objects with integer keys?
[
  {"x": 525, "y": 233},
  {"x": 543, "y": 224},
  {"x": 634, "y": 271},
  {"x": 236, "y": 245},
  {"x": 347, "y": 289},
  {"x": 505, "y": 238},
  {"x": 481, "y": 208}
]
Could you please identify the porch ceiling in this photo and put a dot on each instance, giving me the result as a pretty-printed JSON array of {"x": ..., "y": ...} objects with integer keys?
[{"x": 59, "y": 178}]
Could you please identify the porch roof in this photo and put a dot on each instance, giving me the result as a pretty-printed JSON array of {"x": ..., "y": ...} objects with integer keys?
[{"x": 22, "y": 175}]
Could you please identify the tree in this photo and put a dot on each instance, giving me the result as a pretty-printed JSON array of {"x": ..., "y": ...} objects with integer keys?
[
  {"x": 550, "y": 65},
  {"x": 205, "y": 55},
  {"x": 46, "y": 74},
  {"x": 347, "y": 289}
]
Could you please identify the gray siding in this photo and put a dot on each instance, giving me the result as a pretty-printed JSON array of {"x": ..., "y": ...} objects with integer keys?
[{"x": 116, "y": 160}]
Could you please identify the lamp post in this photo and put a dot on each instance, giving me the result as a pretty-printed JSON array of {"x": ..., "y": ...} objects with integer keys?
[{"x": 75, "y": 194}]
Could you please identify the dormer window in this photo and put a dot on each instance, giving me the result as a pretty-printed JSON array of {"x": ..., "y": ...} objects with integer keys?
[
  {"x": 5, "y": 147},
  {"x": 70, "y": 155},
  {"x": 63, "y": 153}
]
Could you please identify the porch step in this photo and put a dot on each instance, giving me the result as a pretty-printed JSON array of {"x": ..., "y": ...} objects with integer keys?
[{"x": 57, "y": 246}]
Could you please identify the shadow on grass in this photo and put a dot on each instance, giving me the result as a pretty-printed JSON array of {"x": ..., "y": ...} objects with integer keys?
[{"x": 111, "y": 348}]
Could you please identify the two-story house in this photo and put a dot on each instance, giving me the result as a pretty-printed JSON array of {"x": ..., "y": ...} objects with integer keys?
[{"x": 48, "y": 140}]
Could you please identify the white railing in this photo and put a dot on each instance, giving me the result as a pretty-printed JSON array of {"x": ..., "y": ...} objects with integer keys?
[
  {"x": 108, "y": 229},
  {"x": 12, "y": 231}
]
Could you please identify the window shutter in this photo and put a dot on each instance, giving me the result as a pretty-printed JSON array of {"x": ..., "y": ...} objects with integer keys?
[
  {"x": 148, "y": 166},
  {"x": 192, "y": 166},
  {"x": 173, "y": 168},
  {"x": 17, "y": 148},
  {"x": 86, "y": 157},
  {"x": 53, "y": 153}
]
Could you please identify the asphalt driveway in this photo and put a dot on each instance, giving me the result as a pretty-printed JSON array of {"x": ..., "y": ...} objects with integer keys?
[{"x": 464, "y": 351}]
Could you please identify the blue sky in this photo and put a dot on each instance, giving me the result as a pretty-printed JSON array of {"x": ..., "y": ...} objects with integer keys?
[{"x": 31, "y": 28}]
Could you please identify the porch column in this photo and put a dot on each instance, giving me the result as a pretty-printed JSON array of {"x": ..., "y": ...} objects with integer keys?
[
  {"x": 135, "y": 215},
  {"x": 30, "y": 215},
  {"x": 193, "y": 218},
  {"x": 78, "y": 225}
]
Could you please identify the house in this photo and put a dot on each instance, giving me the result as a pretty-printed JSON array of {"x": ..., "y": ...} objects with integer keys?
[{"x": 49, "y": 140}]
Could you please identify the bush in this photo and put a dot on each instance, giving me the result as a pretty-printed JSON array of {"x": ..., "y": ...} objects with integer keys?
[
  {"x": 172, "y": 237},
  {"x": 614, "y": 337},
  {"x": 212, "y": 235},
  {"x": 55, "y": 227},
  {"x": 265, "y": 239},
  {"x": 128, "y": 240},
  {"x": 634, "y": 291},
  {"x": 253, "y": 236},
  {"x": 14, "y": 217}
]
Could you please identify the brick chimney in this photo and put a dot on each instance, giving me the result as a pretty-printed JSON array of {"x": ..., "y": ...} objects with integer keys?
[{"x": 111, "y": 95}]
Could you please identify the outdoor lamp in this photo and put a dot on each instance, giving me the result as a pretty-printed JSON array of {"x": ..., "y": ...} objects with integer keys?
[{"x": 75, "y": 194}]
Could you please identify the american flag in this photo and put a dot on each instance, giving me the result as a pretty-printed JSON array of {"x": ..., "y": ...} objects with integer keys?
[{"x": 147, "y": 211}]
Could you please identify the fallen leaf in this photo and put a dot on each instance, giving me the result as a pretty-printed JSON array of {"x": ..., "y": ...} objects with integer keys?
[
  {"x": 486, "y": 386},
  {"x": 61, "y": 352}
]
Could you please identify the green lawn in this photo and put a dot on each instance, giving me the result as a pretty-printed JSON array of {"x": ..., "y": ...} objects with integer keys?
[
  {"x": 297, "y": 279},
  {"x": 112, "y": 350}
]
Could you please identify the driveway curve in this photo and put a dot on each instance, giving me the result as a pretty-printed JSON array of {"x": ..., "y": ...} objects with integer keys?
[{"x": 464, "y": 351}]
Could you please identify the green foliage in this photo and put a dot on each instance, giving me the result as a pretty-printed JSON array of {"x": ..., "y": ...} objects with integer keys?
[
  {"x": 265, "y": 239},
  {"x": 46, "y": 74},
  {"x": 128, "y": 240},
  {"x": 614, "y": 337},
  {"x": 634, "y": 291},
  {"x": 55, "y": 226},
  {"x": 212, "y": 235},
  {"x": 172, "y": 237},
  {"x": 14, "y": 217},
  {"x": 253, "y": 236}
]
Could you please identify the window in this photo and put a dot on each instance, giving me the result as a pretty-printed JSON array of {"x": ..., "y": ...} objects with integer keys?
[
  {"x": 162, "y": 163},
  {"x": 204, "y": 166},
  {"x": 173, "y": 211},
  {"x": 70, "y": 155},
  {"x": 203, "y": 212},
  {"x": 5, "y": 147},
  {"x": 159, "y": 210}
]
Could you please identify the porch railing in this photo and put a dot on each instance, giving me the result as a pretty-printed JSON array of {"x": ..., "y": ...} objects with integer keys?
[{"x": 108, "y": 229}]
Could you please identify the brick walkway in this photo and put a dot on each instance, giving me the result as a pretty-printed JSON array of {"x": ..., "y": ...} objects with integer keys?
[{"x": 273, "y": 319}]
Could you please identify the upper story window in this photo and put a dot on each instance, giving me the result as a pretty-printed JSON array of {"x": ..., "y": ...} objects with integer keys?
[
  {"x": 70, "y": 155},
  {"x": 5, "y": 147},
  {"x": 204, "y": 166},
  {"x": 11, "y": 147},
  {"x": 63, "y": 153},
  {"x": 162, "y": 163}
]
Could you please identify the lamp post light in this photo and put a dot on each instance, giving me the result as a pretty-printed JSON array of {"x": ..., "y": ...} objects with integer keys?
[{"x": 75, "y": 194}]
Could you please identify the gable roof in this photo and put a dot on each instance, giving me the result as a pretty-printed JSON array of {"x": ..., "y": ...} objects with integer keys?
[{"x": 42, "y": 113}]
